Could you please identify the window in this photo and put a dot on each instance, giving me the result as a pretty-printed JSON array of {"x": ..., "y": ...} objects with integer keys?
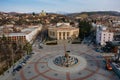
[
  {"x": 14, "y": 37},
  {"x": 8, "y": 38},
  {"x": 17, "y": 37},
  {"x": 103, "y": 40}
]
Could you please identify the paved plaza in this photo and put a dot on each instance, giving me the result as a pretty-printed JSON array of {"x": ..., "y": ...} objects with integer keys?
[{"x": 37, "y": 67}]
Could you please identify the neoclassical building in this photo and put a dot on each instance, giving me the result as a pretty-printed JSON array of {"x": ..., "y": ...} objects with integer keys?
[{"x": 63, "y": 31}]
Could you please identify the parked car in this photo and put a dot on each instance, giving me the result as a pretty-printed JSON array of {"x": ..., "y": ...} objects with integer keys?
[
  {"x": 22, "y": 63},
  {"x": 32, "y": 53},
  {"x": 17, "y": 68},
  {"x": 27, "y": 57}
]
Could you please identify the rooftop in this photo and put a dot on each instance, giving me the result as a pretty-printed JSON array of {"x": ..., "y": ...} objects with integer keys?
[
  {"x": 63, "y": 27},
  {"x": 15, "y": 31}
]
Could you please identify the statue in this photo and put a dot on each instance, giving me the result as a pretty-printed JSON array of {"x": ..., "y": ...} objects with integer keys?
[{"x": 66, "y": 60}]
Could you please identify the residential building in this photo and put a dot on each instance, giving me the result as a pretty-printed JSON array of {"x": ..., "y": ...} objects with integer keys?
[{"x": 103, "y": 35}]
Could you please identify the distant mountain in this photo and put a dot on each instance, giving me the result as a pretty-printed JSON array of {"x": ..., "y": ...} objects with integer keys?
[
  {"x": 112, "y": 13},
  {"x": 18, "y": 13},
  {"x": 62, "y": 12}
]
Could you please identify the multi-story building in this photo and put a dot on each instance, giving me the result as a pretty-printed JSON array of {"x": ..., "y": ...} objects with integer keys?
[
  {"x": 63, "y": 31},
  {"x": 116, "y": 30},
  {"x": 25, "y": 35},
  {"x": 103, "y": 35}
]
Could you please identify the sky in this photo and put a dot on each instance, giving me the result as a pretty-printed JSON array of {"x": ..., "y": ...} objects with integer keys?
[{"x": 69, "y": 6}]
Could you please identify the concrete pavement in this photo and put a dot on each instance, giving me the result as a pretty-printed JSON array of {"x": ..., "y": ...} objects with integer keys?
[{"x": 37, "y": 68}]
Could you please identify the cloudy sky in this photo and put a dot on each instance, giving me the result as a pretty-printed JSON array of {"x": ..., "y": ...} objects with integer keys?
[{"x": 59, "y": 5}]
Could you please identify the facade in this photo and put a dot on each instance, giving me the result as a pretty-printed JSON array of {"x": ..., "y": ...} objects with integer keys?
[
  {"x": 116, "y": 31},
  {"x": 31, "y": 32},
  {"x": 63, "y": 31},
  {"x": 26, "y": 34},
  {"x": 103, "y": 35}
]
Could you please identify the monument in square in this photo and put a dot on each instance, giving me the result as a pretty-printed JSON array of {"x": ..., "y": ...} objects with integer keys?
[{"x": 67, "y": 62}]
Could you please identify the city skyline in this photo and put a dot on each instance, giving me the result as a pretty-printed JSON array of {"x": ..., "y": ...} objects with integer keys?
[{"x": 59, "y": 5}]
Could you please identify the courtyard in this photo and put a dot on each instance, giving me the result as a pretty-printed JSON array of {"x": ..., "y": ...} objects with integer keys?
[{"x": 37, "y": 67}]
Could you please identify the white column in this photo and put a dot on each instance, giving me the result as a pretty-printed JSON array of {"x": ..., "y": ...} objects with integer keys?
[{"x": 65, "y": 35}]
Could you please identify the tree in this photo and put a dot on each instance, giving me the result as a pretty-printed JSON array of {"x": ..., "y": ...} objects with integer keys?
[
  {"x": 3, "y": 39},
  {"x": 11, "y": 52},
  {"x": 33, "y": 13},
  {"x": 85, "y": 29},
  {"x": 28, "y": 48}
]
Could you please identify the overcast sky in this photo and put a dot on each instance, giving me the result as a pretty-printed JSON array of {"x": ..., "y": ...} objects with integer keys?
[{"x": 59, "y": 5}]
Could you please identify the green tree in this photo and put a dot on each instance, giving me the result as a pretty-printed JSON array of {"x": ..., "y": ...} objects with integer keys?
[
  {"x": 84, "y": 29},
  {"x": 33, "y": 13},
  {"x": 28, "y": 48}
]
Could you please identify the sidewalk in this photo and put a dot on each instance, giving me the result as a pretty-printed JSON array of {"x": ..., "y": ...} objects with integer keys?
[{"x": 7, "y": 73}]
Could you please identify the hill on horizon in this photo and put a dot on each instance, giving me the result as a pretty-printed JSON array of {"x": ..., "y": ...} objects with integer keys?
[{"x": 111, "y": 13}]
